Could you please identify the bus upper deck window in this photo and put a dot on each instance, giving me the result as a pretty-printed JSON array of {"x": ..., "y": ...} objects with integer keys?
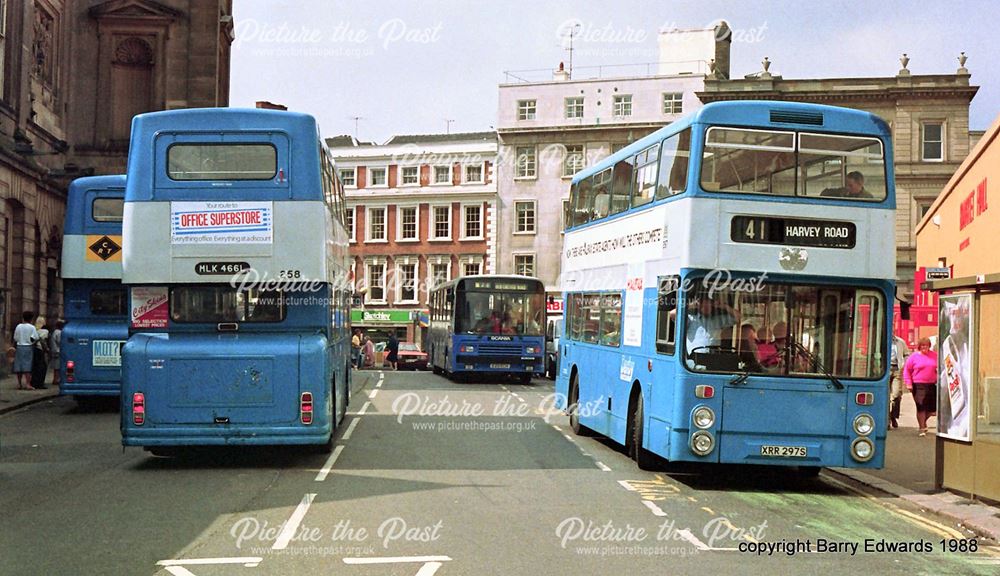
[{"x": 235, "y": 161}]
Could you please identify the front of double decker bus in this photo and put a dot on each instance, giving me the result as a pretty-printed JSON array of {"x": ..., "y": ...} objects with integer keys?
[
  {"x": 227, "y": 261},
  {"x": 788, "y": 277}
]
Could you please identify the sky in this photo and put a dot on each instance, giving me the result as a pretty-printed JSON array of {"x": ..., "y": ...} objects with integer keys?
[{"x": 397, "y": 67}]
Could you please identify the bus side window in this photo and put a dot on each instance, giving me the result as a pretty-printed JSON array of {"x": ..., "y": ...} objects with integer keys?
[
  {"x": 674, "y": 164},
  {"x": 622, "y": 185},
  {"x": 666, "y": 315}
]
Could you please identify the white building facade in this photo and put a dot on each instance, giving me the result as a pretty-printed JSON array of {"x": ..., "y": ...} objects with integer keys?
[{"x": 549, "y": 130}]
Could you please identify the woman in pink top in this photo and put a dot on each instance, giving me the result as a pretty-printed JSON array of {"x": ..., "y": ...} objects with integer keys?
[{"x": 920, "y": 376}]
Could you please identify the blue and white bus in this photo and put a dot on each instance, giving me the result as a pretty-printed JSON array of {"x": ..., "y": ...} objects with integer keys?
[
  {"x": 728, "y": 282},
  {"x": 488, "y": 325},
  {"x": 235, "y": 257},
  {"x": 94, "y": 302}
]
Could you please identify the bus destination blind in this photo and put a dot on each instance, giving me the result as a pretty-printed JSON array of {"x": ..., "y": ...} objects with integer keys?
[{"x": 793, "y": 232}]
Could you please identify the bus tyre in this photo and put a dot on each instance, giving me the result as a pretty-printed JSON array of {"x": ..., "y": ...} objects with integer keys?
[
  {"x": 525, "y": 378},
  {"x": 573, "y": 407},
  {"x": 643, "y": 458}
]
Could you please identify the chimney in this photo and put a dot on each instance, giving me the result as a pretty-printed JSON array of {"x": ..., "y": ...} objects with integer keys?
[
  {"x": 270, "y": 105},
  {"x": 561, "y": 74}
]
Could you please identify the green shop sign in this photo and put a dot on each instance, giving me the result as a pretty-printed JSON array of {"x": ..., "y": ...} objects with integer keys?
[{"x": 381, "y": 316}]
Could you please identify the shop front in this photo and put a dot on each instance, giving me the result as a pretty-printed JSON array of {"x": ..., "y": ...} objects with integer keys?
[
  {"x": 379, "y": 323},
  {"x": 956, "y": 243}
]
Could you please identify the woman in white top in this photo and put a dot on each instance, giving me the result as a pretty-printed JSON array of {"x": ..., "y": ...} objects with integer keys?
[{"x": 25, "y": 336}]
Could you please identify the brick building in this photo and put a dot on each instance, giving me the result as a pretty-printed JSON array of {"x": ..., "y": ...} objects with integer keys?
[
  {"x": 421, "y": 211},
  {"x": 72, "y": 75}
]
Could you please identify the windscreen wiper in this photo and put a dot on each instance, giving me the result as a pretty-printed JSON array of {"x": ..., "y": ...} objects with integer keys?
[{"x": 796, "y": 345}]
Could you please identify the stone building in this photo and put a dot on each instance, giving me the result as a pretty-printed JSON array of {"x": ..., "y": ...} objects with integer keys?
[
  {"x": 929, "y": 116},
  {"x": 72, "y": 75},
  {"x": 421, "y": 211},
  {"x": 551, "y": 128}
]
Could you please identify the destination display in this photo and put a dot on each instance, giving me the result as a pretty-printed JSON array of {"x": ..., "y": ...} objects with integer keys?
[
  {"x": 793, "y": 232},
  {"x": 499, "y": 285}
]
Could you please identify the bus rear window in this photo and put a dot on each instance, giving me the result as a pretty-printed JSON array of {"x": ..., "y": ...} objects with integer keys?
[
  {"x": 222, "y": 161},
  {"x": 214, "y": 304},
  {"x": 107, "y": 209},
  {"x": 108, "y": 302}
]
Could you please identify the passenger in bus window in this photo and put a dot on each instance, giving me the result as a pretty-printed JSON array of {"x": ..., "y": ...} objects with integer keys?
[
  {"x": 772, "y": 351},
  {"x": 705, "y": 324},
  {"x": 855, "y": 188}
]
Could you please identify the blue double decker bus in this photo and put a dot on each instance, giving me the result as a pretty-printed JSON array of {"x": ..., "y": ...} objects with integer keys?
[
  {"x": 94, "y": 301},
  {"x": 729, "y": 282},
  {"x": 488, "y": 325},
  {"x": 235, "y": 256}
]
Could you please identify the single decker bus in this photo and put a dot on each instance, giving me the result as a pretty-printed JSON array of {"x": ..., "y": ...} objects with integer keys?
[
  {"x": 235, "y": 256},
  {"x": 488, "y": 325},
  {"x": 729, "y": 282}
]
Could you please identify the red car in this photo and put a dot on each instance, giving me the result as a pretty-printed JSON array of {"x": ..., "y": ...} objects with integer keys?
[{"x": 411, "y": 358}]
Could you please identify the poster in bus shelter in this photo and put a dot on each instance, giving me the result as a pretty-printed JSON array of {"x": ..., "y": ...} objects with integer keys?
[{"x": 955, "y": 366}]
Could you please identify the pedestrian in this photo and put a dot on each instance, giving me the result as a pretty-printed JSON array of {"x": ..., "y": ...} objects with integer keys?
[
  {"x": 393, "y": 349},
  {"x": 25, "y": 336},
  {"x": 899, "y": 352},
  {"x": 40, "y": 355},
  {"x": 920, "y": 376},
  {"x": 369, "y": 352},
  {"x": 55, "y": 346},
  {"x": 356, "y": 348}
]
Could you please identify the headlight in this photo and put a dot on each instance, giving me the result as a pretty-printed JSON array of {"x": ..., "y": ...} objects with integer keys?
[
  {"x": 864, "y": 424},
  {"x": 532, "y": 350},
  {"x": 467, "y": 349},
  {"x": 703, "y": 417},
  {"x": 862, "y": 450},
  {"x": 702, "y": 443}
]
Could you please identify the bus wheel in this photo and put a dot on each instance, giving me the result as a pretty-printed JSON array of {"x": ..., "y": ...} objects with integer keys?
[
  {"x": 525, "y": 378},
  {"x": 573, "y": 407},
  {"x": 643, "y": 458}
]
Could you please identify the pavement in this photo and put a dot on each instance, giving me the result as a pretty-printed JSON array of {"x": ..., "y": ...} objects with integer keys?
[
  {"x": 908, "y": 473},
  {"x": 12, "y": 399}
]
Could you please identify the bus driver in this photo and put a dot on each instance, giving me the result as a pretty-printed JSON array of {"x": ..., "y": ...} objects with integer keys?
[{"x": 705, "y": 324}]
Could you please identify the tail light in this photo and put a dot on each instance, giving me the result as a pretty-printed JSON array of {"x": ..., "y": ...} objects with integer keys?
[
  {"x": 306, "y": 408},
  {"x": 703, "y": 391},
  {"x": 138, "y": 408},
  {"x": 864, "y": 399},
  {"x": 70, "y": 374},
  {"x": 467, "y": 349}
]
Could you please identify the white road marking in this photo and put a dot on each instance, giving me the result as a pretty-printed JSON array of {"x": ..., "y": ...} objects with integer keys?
[
  {"x": 556, "y": 427},
  {"x": 515, "y": 394},
  {"x": 350, "y": 429},
  {"x": 179, "y": 571},
  {"x": 373, "y": 394},
  {"x": 397, "y": 559},
  {"x": 625, "y": 484},
  {"x": 570, "y": 438},
  {"x": 429, "y": 569},
  {"x": 602, "y": 466},
  {"x": 292, "y": 525},
  {"x": 379, "y": 384},
  {"x": 687, "y": 535},
  {"x": 657, "y": 511},
  {"x": 325, "y": 470},
  {"x": 364, "y": 408},
  {"x": 248, "y": 561}
]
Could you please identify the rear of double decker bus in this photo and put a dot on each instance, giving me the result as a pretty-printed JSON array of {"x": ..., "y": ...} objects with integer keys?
[
  {"x": 230, "y": 259},
  {"x": 498, "y": 327},
  {"x": 766, "y": 299},
  {"x": 94, "y": 301}
]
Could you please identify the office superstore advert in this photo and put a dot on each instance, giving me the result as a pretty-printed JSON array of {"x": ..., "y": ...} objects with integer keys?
[{"x": 221, "y": 222}]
